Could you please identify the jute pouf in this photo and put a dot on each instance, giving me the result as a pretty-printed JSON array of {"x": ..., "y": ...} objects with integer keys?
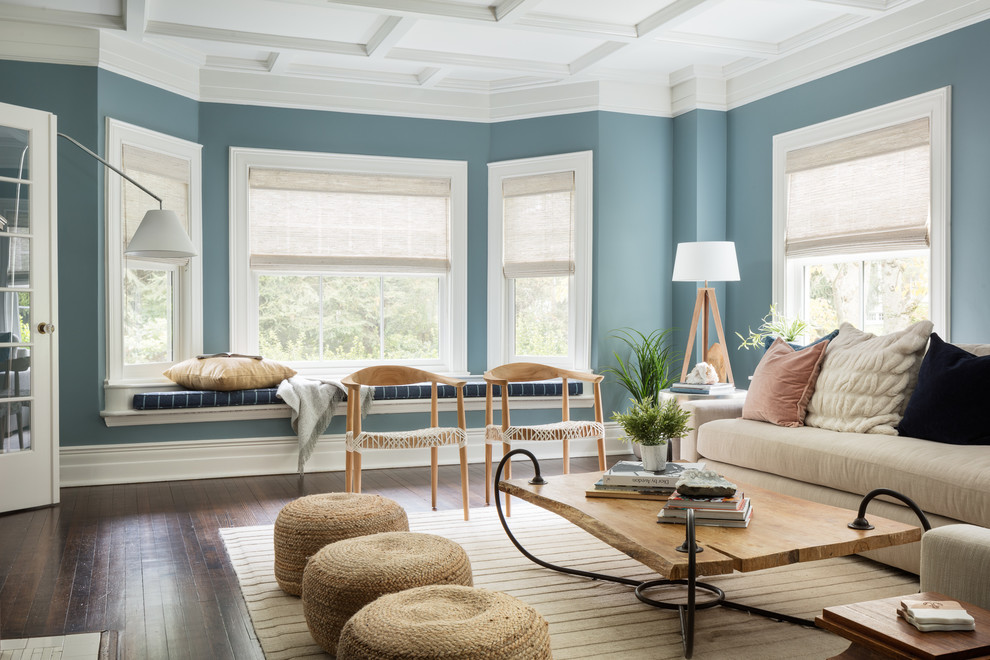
[
  {"x": 305, "y": 525},
  {"x": 345, "y": 576},
  {"x": 446, "y": 622}
]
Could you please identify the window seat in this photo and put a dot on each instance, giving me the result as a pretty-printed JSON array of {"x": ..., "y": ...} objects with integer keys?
[{"x": 266, "y": 396}]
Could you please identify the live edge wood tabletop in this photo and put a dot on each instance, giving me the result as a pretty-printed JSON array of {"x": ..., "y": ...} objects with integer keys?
[
  {"x": 876, "y": 631},
  {"x": 784, "y": 530}
]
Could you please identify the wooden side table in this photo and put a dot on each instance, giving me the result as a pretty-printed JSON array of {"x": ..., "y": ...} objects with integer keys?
[{"x": 876, "y": 631}]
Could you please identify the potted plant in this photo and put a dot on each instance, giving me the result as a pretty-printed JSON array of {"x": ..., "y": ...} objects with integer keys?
[
  {"x": 774, "y": 324},
  {"x": 650, "y": 361},
  {"x": 651, "y": 425}
]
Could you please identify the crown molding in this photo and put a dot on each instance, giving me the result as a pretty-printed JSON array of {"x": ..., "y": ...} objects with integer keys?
[
  {"x": 910, "y": 26},
  {"x": 528, "y": 89}
]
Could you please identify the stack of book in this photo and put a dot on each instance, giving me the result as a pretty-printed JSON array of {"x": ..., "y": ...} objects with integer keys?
[
  {"x": 628, "y": 480},
  {"x": 735, "y": 511},
  {"x": 929, "y": 615},
  {"x": 699, "y": 388}
]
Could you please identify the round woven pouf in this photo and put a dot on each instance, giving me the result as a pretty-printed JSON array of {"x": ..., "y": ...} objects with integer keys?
[
  {"x": 305, "y": 525},
  {"x": 345, "y": 576},
  {"x": 446, "y": 622}
]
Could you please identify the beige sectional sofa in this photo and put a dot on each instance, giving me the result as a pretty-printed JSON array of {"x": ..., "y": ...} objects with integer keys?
[{"x": 951, "y": 483}]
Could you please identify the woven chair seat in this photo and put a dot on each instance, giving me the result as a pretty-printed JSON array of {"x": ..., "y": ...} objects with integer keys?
[
  {"x": 446, "y": 622},
  {"x": 571, "y": 430},
  {"x": 431, "y": 437},
  {"x": 345, "y": 576},
  {"x": 305, "y": 525}
]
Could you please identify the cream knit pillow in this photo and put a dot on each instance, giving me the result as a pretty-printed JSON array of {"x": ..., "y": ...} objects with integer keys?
[{"x": 866, "y": 381}]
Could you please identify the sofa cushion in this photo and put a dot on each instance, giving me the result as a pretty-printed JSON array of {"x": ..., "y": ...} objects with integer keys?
[
  {"x": 866, "y": 380},
  {"x": 769, "y": 340},
  {"x": 947, "y": 404},
  {"x": 949, "y": 480},
  {"x": 783, "y": 383}
]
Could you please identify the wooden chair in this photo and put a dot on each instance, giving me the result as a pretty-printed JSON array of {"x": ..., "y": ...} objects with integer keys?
[
  {"x": 563, "y": 431},
  {"x": 10, "y": 386},
  {"x": 432, "y": 437}
]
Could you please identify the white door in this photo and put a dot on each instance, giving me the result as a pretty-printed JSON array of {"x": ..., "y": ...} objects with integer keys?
[{"x": 28, "y": 373}]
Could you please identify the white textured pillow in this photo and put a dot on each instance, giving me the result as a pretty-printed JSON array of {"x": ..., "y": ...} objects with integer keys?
[{"x": 866, "y": 381}]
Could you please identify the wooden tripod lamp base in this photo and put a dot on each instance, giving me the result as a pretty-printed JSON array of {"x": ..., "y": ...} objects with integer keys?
[{"x": 704, "y": 305}]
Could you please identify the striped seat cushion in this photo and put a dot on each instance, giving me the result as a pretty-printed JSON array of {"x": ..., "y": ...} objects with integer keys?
[{"x": 212, "y": 399}]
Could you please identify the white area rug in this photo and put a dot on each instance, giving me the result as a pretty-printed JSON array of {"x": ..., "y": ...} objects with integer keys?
[
  {"x": 85, "y": 646},
  {"x": 591, "y": 619}
]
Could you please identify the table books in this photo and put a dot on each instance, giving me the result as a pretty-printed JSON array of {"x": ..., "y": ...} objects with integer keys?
[
  {"x": 931, "y": 615},
  {"x": 629, "y": 492},
  {"x": 734, "y": 511},
  {"x": 631, "y": 473},
  {"x": 683, "y": 502}
]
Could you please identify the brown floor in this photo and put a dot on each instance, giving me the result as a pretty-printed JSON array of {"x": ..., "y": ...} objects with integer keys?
[{"x": 147, "y": 560}]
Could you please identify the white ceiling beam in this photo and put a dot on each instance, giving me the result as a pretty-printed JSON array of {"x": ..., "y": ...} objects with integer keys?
[
  {"x": 83, "y": 19},
  {"x": 436, "y": 8},
  {"x": 278, "y": 62},
  {"x": 431, "y": 76},
  {"x": 576, "y": 26},
  {"x": 594, "y": 56},
  {"x": 868, "y": 7},
  {"x": 510, "y": 11},
  {"x": 478, "y": 61},
  {"x": 392, "y": 29},
  {"x": 135, "y": 17},
  {"x": 722, "y": 44},
  {"x": 271, "y": 41},
  {"x": 673, "y": 15}
]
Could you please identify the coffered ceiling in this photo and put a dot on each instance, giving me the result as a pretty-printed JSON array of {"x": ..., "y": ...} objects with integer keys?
[{"x": 475, "y": 59}]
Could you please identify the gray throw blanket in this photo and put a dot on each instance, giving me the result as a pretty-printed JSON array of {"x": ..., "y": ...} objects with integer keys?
[{"x": 314, "y": 403}]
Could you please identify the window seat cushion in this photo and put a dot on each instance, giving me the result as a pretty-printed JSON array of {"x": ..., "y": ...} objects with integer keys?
[{"x": 266, "y": 395}]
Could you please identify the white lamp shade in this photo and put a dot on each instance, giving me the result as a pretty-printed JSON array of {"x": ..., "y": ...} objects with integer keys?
[
  {"x": 161, "y": 235},
  {"x": 706, "y": 261}
]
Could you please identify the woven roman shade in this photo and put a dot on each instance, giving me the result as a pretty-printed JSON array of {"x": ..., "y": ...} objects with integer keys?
[
  {"x": 343, "y": 221},
  {"x": 167, "y": 175},
  {"x": 865, "y": 193},
  {"x": 538, "y": 225}
]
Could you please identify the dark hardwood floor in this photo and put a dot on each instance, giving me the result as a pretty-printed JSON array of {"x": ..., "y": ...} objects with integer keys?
[{"x": 147, "y": 560}]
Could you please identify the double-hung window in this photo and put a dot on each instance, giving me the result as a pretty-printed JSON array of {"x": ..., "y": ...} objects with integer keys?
[
  {"x": 861, "y": 218},
  {"x": 539, "y": 260},
  {"x": 341, "y": 261},
  {"x": 154, "y": 305}
]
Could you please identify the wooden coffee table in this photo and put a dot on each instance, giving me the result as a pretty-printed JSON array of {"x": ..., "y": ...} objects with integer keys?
[{"x": 784, "y": 530}]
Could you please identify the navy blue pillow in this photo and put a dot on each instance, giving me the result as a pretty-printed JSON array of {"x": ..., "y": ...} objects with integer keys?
[
  {"x": 767, "y": 341},
  {"x": 949, "y": 403}
]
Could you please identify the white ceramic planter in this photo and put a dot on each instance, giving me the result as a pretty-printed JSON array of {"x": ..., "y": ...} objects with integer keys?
[{"x": 654, "y": 457}]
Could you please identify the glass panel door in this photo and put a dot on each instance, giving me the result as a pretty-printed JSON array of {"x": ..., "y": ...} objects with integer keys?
[{"x": 28, "y": 443}]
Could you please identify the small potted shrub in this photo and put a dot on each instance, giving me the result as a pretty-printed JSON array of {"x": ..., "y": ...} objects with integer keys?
[{"x": 652, "y": 425}]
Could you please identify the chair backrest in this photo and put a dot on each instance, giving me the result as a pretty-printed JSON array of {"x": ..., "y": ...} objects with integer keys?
[
  {"x": 393, "y": 374},
  {"x": 516, "y": 372}
]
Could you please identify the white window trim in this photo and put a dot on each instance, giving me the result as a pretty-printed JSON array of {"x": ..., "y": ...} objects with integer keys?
[
  {"x": 188, "y": 285},
  {"x": 500, "y": 349},
  {"x": 936, "y": 105},
  {"x": 243, "y": 284}
]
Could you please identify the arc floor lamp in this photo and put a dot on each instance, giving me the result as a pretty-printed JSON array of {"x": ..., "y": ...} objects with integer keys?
[
  {"x": 160, "y": 233},
  {"x": 706, "y": 261}
]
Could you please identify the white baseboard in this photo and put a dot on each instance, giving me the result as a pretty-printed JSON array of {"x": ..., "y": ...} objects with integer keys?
[{"x": 208, "y": 459}]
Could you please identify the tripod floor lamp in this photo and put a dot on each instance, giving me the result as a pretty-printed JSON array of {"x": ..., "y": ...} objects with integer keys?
[
  {"x": 160, "y": 233},
  {"x": 706, "y": 261}
]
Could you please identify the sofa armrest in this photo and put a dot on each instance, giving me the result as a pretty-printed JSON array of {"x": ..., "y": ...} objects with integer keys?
[
  {"x": 702, "y": 411},
  {"x": 955, "y": 561}
]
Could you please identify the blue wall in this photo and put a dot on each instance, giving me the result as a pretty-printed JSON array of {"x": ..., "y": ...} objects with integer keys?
[
  {"x": 702, "y": 176},
  {"x": 957, "y": 59},
  {"x": 632, "y": 195}
]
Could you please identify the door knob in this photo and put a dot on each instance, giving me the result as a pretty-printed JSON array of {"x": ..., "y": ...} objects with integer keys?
[{"x": 46, "y": 328}]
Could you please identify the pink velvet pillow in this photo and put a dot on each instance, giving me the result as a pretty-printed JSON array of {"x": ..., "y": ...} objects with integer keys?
[{"x": 783, "y": 383}]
